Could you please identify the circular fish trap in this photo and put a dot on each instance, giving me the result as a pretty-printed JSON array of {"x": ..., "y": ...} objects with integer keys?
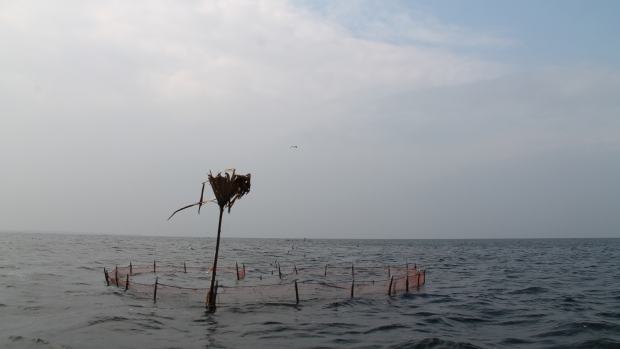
[{"x": 240, "y": 285}]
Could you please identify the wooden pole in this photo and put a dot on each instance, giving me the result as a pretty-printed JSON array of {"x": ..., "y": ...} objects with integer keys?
[
  {"x": 296, "y": 292},
  {"x": 295, "y": 268},
  {"x": 394, "y": 289},
  {"x": 407, "y": 267},
  {"x": 237, "y": 267},
  {"x": 130, "y": 268},
  {"x": 127, "y": 283},
  {"x": 418, "y": 280},
  {"x": 279, "y": 271},
  {"x": 352, "y": 270},
  {"x": 211, "y": 295},
  {"x": 184, "y": 268},
  {"x": 352, "y": 287},
  {"x": 243, "y": 264},
  {"x": 390, "y": 287},
  {"x": 407, "y": 283},
  {"x": 155, "y": 292},
  {"x": 116, "y": 275},
  {"x": 325, "y": 274},
  {"x": 107, "y": 279}
]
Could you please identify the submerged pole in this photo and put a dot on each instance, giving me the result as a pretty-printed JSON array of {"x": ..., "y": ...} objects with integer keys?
[
  {"x": 390, "y": 287},
  {"x": 211, "y": 294},
  {"x": 184, "y": 268},
  {"x": 352, "y": 287},
  {"x": 325, "y": 274},
  {"x": 237, "y": 267},
  {"x": 243, "y": 265},
  {"x": 155, "y": 292},
  {"x": 279, "y": 271},
  {"x": 295, "y": 268},
  {"x": 116, "y": 275},
  {"x": 407, "y": 283},
  {"x": 296, "y": 292},
  {"x": 107, "y": 279},
  {"x": 127, "y": 283}
]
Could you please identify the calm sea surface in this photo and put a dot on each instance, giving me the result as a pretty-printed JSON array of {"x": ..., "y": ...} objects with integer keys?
[{"x": 560, "y": 293}]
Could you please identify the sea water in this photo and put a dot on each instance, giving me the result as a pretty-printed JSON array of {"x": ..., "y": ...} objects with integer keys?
[{"x": 542, "y": 293}]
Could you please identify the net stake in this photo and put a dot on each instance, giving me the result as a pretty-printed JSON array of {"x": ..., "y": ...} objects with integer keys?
[
  {"x": 116, "y": 275},
  {"x": 295, "y": 268},
  {"x": 325, "y": 274},
  {"x": 390, "y": 287},
  {"x": 407, "y": 283},
  {"x": 243, "y": 265},
  {"x": 237, "y": 267},
  {"x": 296, "y": 292},
  {"x": 107, "y": 279},
  {"x": 127, "y": 283},
  {"x": 279, "y": 271},
  {"x": 130, "y": 268},
  {"x": 155, "y": 292},
  {"x": 352, "y": 287},
  {"x": 184, "y": 268}
]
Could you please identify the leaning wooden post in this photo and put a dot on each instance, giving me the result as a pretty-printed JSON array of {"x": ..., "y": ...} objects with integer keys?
[
  {"x": 352, "y": 287},
  {"x": 295, "y": 268},
  {"x": 325, "y": 274},
  {"x": 154, "y": 267},
  {"x": 296, "y": 292},
  {"x": 127, "y": 283},
  {"x": 237, "y": 267},
  {"x": 352, "y": 270},
  {"x": 418, "y": 280},
  {"x": 407, "y": 283},
  {"x": 184, "y": 268},
  {"x": 394, "y": 289},
  {"x": 155, "y": 292},
  {"x": 107, "y": 279},
  {"x": 279, "y": 271},
  {"x": 116, "y": 275},
  {"x": 130, "y": 268},
  {"x": 390, "y": 287}
]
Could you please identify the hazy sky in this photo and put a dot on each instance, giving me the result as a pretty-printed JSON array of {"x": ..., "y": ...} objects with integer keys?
[{"x": 434, "y": 119}]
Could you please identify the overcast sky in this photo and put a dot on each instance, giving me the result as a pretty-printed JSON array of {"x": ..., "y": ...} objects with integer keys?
[{"x": 435, "y": 119}]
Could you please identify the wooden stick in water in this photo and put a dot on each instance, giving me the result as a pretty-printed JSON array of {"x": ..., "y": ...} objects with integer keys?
[
  {"x": 390, "y": 287},
  {"x": 184, "y": 268},
  {"x": 325, "y": 274},
  {"x": 155, "y": 292},
  {"x": 116, "y": 275},
  {"x": 407, "y": 283},
  {"x": 352, "y": 287},
  {"x": 352, "y": 270},
  {"x": 296, "y": 292},
  {"x": 127, "y": 283},
  {"x": 243, "y": 264},
  {"x": 237, "y": 267},
  {"x": 279, "y": 271},
  {"x": 295, "y": 268},
  {"x": 130, "y": 268},
  {"x": 107, "y": 279}
]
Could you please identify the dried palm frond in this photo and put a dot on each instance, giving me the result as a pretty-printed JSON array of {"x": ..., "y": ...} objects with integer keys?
[
  {"x": 192, "y": 205},
  {"x": 228, "y": 188}
]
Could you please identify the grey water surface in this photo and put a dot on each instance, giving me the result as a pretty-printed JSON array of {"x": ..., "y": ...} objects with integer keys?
[{"x": 546, "y": 293}]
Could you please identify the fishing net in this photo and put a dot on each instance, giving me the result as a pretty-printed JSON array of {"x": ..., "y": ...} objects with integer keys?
[{"x": 237, "y": 285}]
